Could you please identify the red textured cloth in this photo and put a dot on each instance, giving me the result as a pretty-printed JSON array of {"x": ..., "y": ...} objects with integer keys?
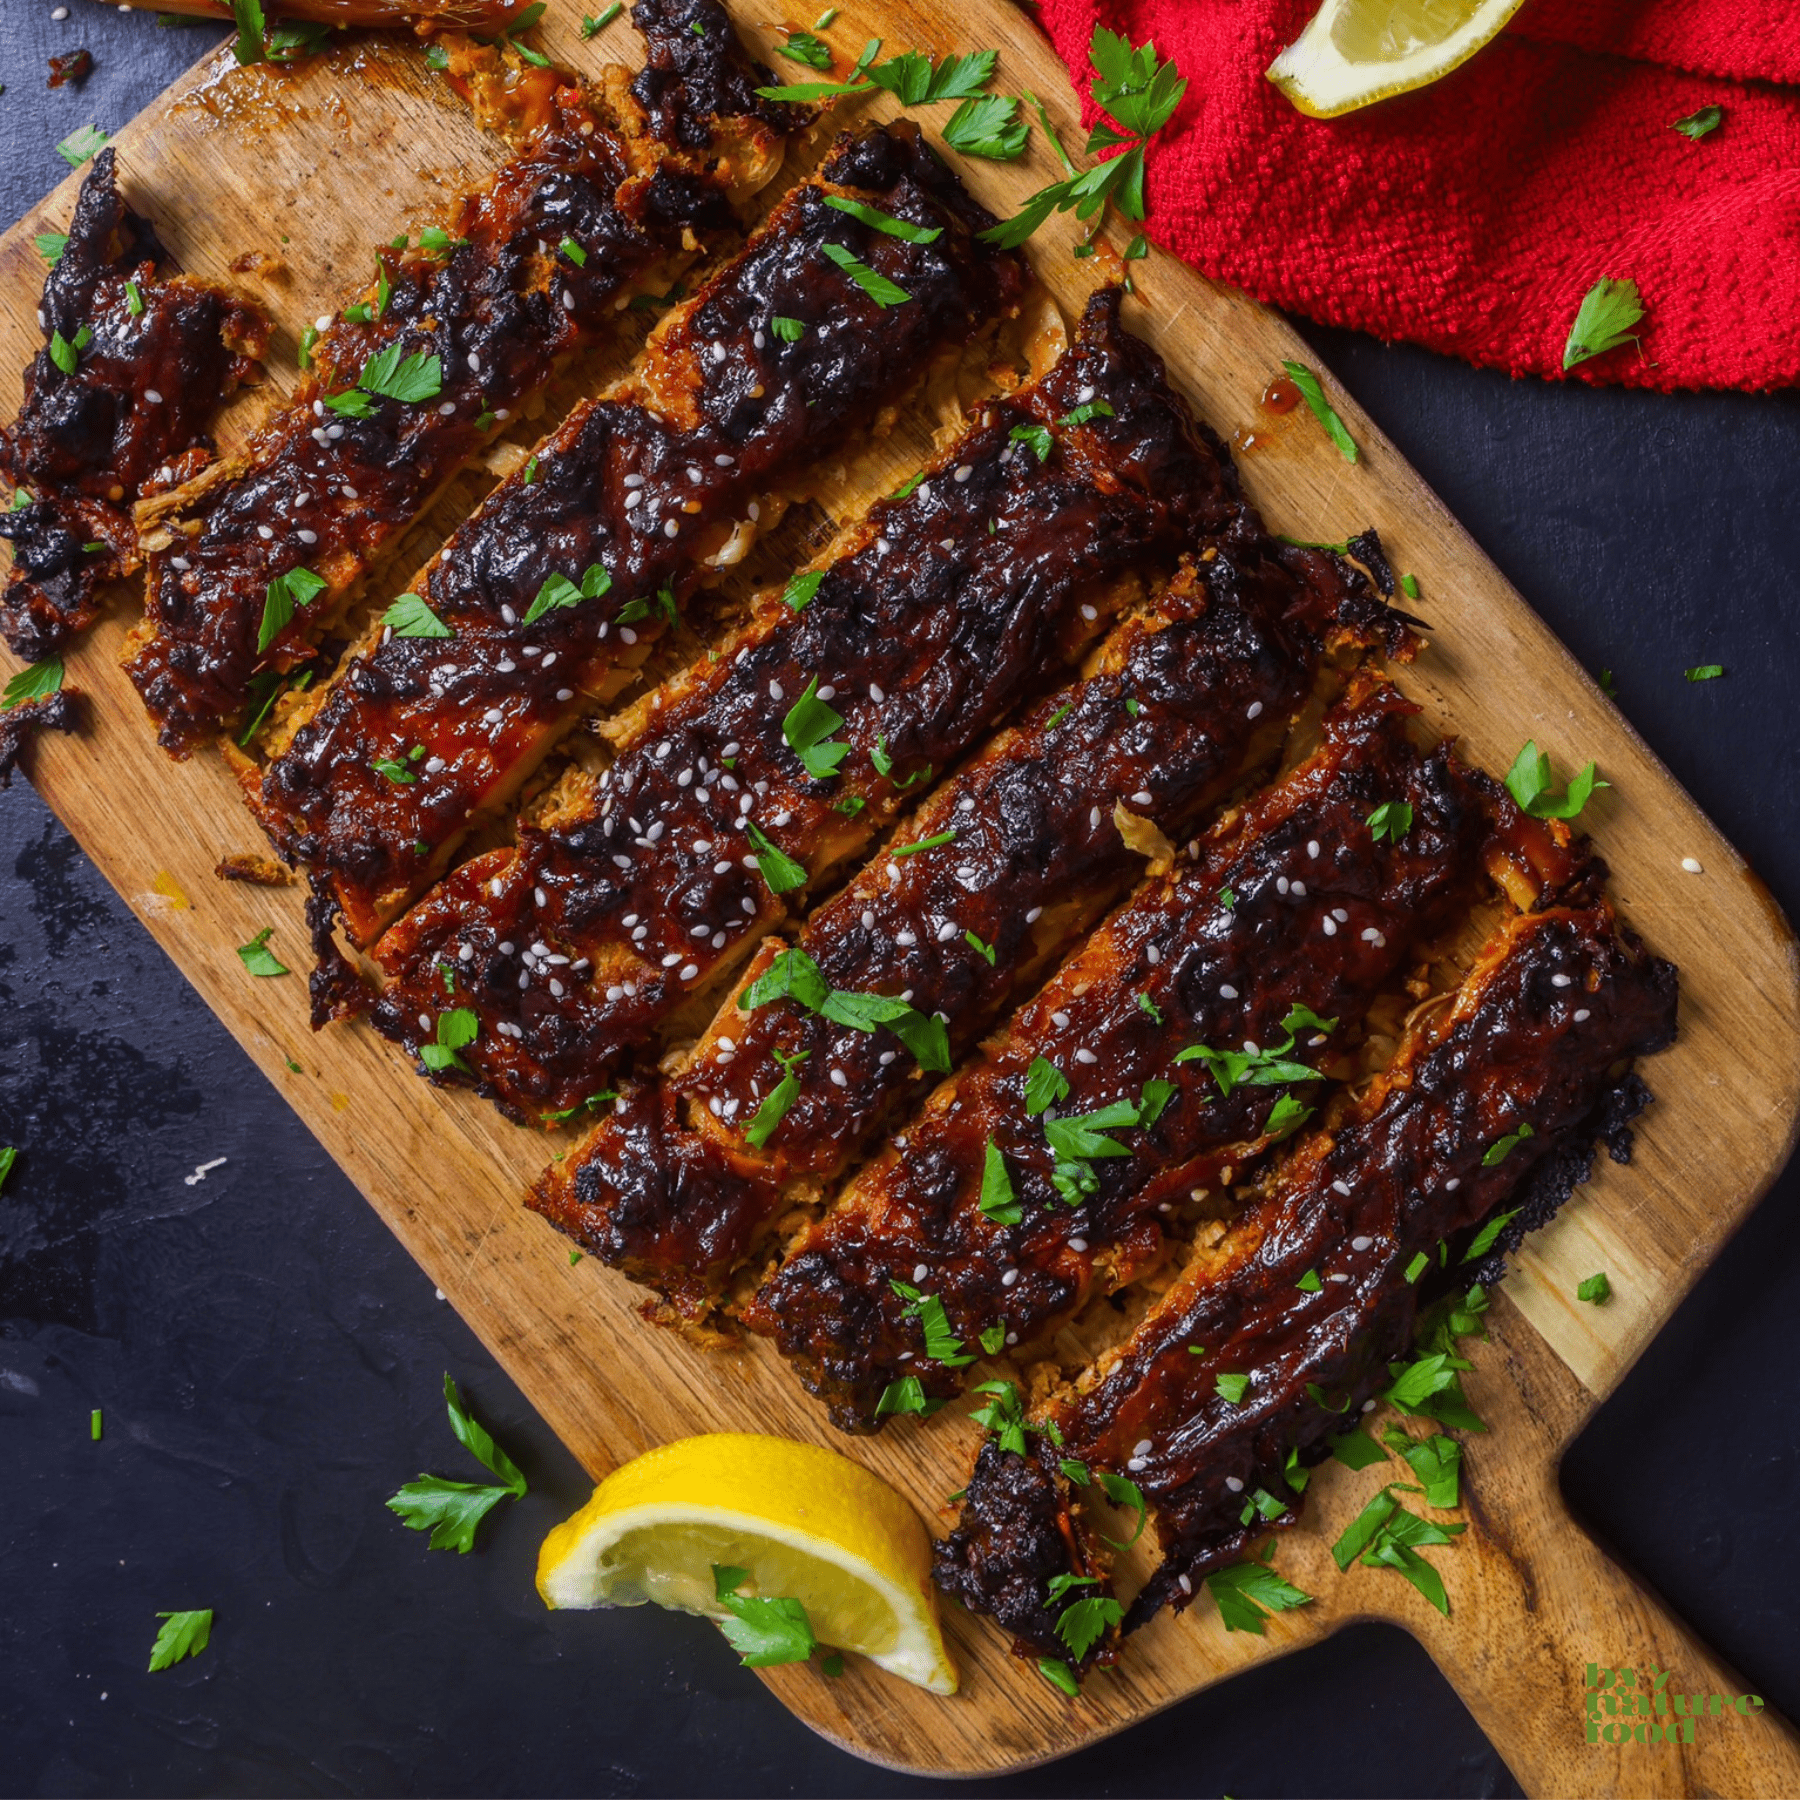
[{"x": 1473, "y": 215}]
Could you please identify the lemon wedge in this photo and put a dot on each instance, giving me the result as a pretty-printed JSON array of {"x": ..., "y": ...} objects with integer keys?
[
  {"x": 1355, "y": 52},
  {"x": 807, "y": 1523}
]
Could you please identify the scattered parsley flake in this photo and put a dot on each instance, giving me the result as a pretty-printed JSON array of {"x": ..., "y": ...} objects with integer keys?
[
  {"x": 783, "y": 1095},
  {"x": 559, "y": 592},
  {"x": 1041, "y": 441},
  {"x": 1608, "y": 311},
  {"x": 1060, "y": 1676},
  {"x": 181, "y": 1634},
  {"x": 38, "y": 681},
  {"x": 925, "y": 843},
  {"x": 573, "y": 251},
  {"x": 790, "y": 331},
  {"x": 592, "y": 27},
  {"x": 1596, "y": 1289},
  {"x": 872, "y": 282},
  {"x": 51, "y": 245},
  {"x": 906, "y": 1395},
  {"x": 1705, "y": 672},
  {"x": 798, "y": 594},
  {"x": 998, "y": 1200},
  {"x": 803, "y": 47},
  {"x": 986, "y": 952},
  {"x": 80, "y": 145},
  {"x": 1045, "y": 1086},
  {"x": 456, "y": 1030},
  {"x": 1392, "y": 819},
  {"x": 1355, "y": 1449},
  {"x": 807, "y": 730},
  {"x": 258, "y": 958},
  {"x": 776, "y": 867},
  {"x": 1530, "y": 781},
  {"x": 1314, "y": 395},
  {"x": 989, "y": 128},
  {"x": 281, "y": 599},
  {"x": 1417, "y": 1267},
  {"x": 1231, "y": 1388},
  {"x": 1697, "y": 124},
  {"x": 409, "y": 616},
  {"x": 1501, "y": 1148},
  {"x": 764, "y": 1632}
]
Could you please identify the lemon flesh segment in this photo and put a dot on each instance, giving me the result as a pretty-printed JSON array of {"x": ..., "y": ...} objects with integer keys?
[
  {"x": 1355, "y": 52},
  {"x": 807, "y": 1523}
]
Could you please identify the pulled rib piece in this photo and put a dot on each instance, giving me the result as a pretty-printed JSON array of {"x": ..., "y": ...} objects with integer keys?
[
  {"x": 1534, "y": 1037},
  {"x": 1025, "y": 849},
  {"x": 117, "y": 405},
  {"x": 1296, "y": 905},
  {"x": 252, "y": 565},
  {"x": 22, "y": 721},
  {"x": 628, "y": 499}
]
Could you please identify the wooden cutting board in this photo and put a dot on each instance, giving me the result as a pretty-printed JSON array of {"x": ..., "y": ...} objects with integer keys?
[{"x": 306, "y": 171}]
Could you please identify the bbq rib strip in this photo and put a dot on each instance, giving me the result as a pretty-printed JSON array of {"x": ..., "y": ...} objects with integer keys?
[
  {"x": 952, "y": 604},
  {"x": 1534, "y": 1036},
  {"x": 250, "y": 566},
  {"x": 1025, "y": 850},
  {"x": 1297, "y": 904},
  {"x": 628, "y": 499},
  {"x": 116, "y": 405}
]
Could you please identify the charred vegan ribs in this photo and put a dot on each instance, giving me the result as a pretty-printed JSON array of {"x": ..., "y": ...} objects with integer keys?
[
  {"x": 250, "y": 566},
  {"x": 547, "y": 598},
  {"x": 1307, "y": 1292},
  {"x": 117, "y": 405},
  {"x": 1021, "y": 853}
]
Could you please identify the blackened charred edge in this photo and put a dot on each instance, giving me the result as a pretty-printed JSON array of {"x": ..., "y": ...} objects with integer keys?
[
  {"x": 53, "y": 579},
  {"x": 1015, "y": 1536},
  {"x": 335, "y": 988},
  {"x": 695, "y": 72},
  {"x": 61, "y": 711}
]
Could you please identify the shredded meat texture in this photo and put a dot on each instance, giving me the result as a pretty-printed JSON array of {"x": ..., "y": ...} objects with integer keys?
[
  {"x": 119, "y": 402},
  {"x": 627, "y": 498},
  {"x": 1213, "y": 971},
  {"x": 447, "y": 347},
  {"x": 1031, "y": 853},
  {"x": 20, "y": 723},
  {"x": 1560, "y": 997}
]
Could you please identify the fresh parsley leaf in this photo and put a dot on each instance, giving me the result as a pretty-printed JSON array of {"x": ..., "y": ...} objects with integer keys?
[
  {"x": 798, "y": 594},
  {"x": 1231, "y": 1388},
  {"x": 409, "y": 616},
  {"x": 998, "y": 1200},
  {"x": 1045, "y": 1086},
  {"x": 283, "y": 596},
  {"x": 1122, "y": 1491},
  {"x": 1608, "y": 311},
  {"x": 989, "y": 127},
  {"x": 986, "y": 951},
  {"x": 469, "y": 1431},
  {"x": 1392, "y": 819},
  {"x": 573, "y": 251},
  {"x": 1437, "y": 1461},
  {"x": 395, "y": 770},
  {"x": 559, "y": 592},
  {"x": 925, "y": 843},
  {"x": 884, "y": 222},
  {"x": 1003, "y": 1416},
  {"x": 1705, "y": 672},
  {"x": 1530, "y": 781},
  {"x": 1596, "y": 1289},
  {"x": 38, "y": 681},
  {"x": 1149, "y": 1009},
  {"x": 1409, "y": 586},
  {"x": 872, "y": 282},
  {"x": 803, "y": 47},
  {"x": 1501, "y": 1148},
  {"x": 793, "y": 975},
  {"x": 411, "y": 379},
  {"x": 1153, "y": 1097},
  {"x": 1084, "y": 1622},
  {"x": 1314, "y": 395},
  {"x": 1355, "y": 1449},
  {"x": 826, "y": 19},
  {"x": 1417, "y": 1267},
  {"x": 907, "y": 1395},
  {"x": 942, "y": 1345},
  {"x": 1081, "y": 1137},
  {"x": 1089, "y": 409},
  {"x": 456, "y": 1030},
  {"x": 63, "y": 353},
  {"x": 1227, "y": 899},
  {"x": 1697, "y": 124},
  {"x": 1309, "y": 1283},
  {"x": 774, "y": 1107},
  {"x": 180, "y": 1635},
  {"x": 1286, "y": 1116},
  {"x": 1248, "y": 1592},
  {"x": 775, "y": 866},
  {"x": 1059, "y": 1675},
  {"x": 51, "y": 245},
  {"x": 791, "y": 331},
  {"x": 807, "y": 727},
  {"x": 592, "y": 27},
  {"x": 451, "y": 1510},
  {"x": 78, "y": 146},
  {"x": 764, "y": 1632},
  {"x": 258, "y": 958},
  {"x": 1038, "y": 437}
]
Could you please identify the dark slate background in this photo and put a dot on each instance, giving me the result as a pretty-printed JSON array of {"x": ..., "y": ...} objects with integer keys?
[{"x": 269, "y": 1360}]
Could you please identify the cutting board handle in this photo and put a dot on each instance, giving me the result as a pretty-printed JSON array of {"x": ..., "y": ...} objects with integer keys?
[{"x": 1541, "y": 1603}]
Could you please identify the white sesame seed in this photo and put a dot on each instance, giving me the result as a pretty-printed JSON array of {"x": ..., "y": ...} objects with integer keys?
[
  {"x": 1312, "y": 846},
  {"x": 1078, "y": 1244},
  {"x": 155, "y": 398},
  {"x": 1010, "y": 1278},
  {"x": 776, "y": 691},
  {"x": 669, "y": 961},
  {"x": 447, "y": 408},
  {"x": 1330, "y": 925},
  {"x": 1361, "y": 1243},
  {"x": 497, "y": 887},
  {"x": 964, "y": 472},
  {"x": 1060, "y": 1020},
  {"x": 540, "y": 896},
  {"x": 868, "y": 920},
  {"x": 1093, "y": 818},
  {"x": 905, "y": 939},
  {"x": 946, "y": 932},
  {"x": 839, "y": 1078},
  {"x": 465, "y": 953},
  {"x": 1032, "y": 917},
  {"x": 1452, "y": 1184},
  {"x": 424, "y": 1021},
  {"x": 1227, "y": 991},
  {"x": 1341, "y": 1187},
  {"x": 565, "y": 694},
  {"x": 1085, "y": 1055},
  {"x": 1089, "y": 613},
  {"x": 1255, "y": 710},
  {"x": 323, "y": 322},
  {"x": 1582, "y": 1015},
  {"x": 920, "y": 1271},
  {"x": 1692, "y": 865},
  {"x": 508, "y": 616},
  {"x": 1298, "y": 889},
  {"x": 632, "y": 482},
  {"x": 1281, "y": 884},
  {"x": 876, "y": 694},
  {"x": 1337, "y": 1278},
  {"x": 1086, "y": 394}
]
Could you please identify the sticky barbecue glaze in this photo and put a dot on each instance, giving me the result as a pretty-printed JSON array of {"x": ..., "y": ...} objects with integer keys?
[
  {"x": 1321, "y": 915},
  {"x": 1214, "y": 669},
  {"x": 642, "y": 483},
  {"x": 1536, "y": 1035},
  {"x": 328, "y": 492},
  {"x": 131, "y": 419}
]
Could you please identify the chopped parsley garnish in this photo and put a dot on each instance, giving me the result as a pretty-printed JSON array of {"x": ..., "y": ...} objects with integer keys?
[
  {"x": 559, "y": 591},
  {"x": 134, "y": 299},
  {"x": 1045, "y": 1086},
  {"x": 1038, "y": 437},
  {"x": 1285, "y": 1117},
  {"x": 180, "y": 1634},
  {"x": 1355, "y": 1449},
  {"x": 1003, "y": 1416},
  {"x": 942, "y": 1345},
  {"x": 1608, "y": 311},
  {"x": 395, "y": 770},
  {"x": 96, "y": 1427},
  {"x": 258, "y": 958},
  {"x": 439, "y": 242},
  {"x": 1149, "y": 1009},
  {"x": 790, "y": 331},
  {"x": 1231, "y": 1388},
  {"x": 798, "y": 593},
  {"x": 1309, "y": 1283},
  {"x": 1697, "y": 124},
  {"x": 451, "y": 1510},
  {"x": 985, "y": 951},
  {"x": 1140, "y": 95},
  {"x": 1089, "y": 409},
  {"x": 1248, "y": 1592},
  {"x": 456, "y": 1030},
  {"x": 592, "y": 27},
  {"x": 1436, "y": 1460},
  {"x": 1057, "y": 717},
  {"x": 38, "y": 681},
  {"x": 410, "y": 378},
  {"x": 1409, "y": 586},
  {"x": 1060, "y": 1676},
  {"x": 1385, "y": 1535},
  {"x": 783, "y": 1095},
  {"x": 998, "y": 1201},
  {"x": 51, "y": 245},
  {"x": 793, "y": 975},
  {"x": 1227, "y": 899},
  {"x": 1084, "y": 1622},
  {"x": 764, "y": 1632},
  {"x": 1392, "y": 820},
  {"x": 66, "y": 354},
  {"x": 993, "y": 1340},
  {"x": 826, "y": 19},
  {"x": 409, "y": 616},
  {"x": 1314, "y": 395},
  {"x": 1417, "y": 1267},
  {"x": 282, "y": 598},
  {"x": 1122, "y": 1491},
  {"x": 925, "y": 843},
  {"x": 884, "y": 222},
  {"x": 775, "y": 866},
  {"x": 1501, "y": 1148},
  {"x": 803, "y": 47},
  {"x": 1705, "y": 672},
  {"x": 78, "y": 146},
  {"x": 1261, "y": 1068},
  {"x": 573, "y": 251},
  {"x": 912, "y": 79},
  {"x": 808, "y": 728},
  {"x": 989, "y": 128},
  {"x": 872, "y": 282},
  {"x": 1137, "y": 249},
  {"x": 1530, "y": 781},
  {"x": 1596, "y": 1289},
  {"x": 906, "y": 1395}
]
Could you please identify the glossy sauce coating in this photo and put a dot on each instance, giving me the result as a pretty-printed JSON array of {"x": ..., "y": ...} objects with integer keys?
[
  {"x": 131, "y": 419},
  {"x": 1535, "y": 1036},
  {"x": 1321, "y": 915},
  {"x": 956, "y": 601},
  {"x": 328, "y": 492},
  {"x": 1214, "y": 670},
  {"x": 642, "y": 484}
]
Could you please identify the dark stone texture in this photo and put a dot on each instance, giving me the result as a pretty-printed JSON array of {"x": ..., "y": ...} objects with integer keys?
[{"x": 269, "y": 1360}]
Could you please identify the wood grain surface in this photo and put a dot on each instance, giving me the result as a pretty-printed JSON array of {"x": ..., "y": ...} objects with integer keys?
[{"x": 310, "y": 168}]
